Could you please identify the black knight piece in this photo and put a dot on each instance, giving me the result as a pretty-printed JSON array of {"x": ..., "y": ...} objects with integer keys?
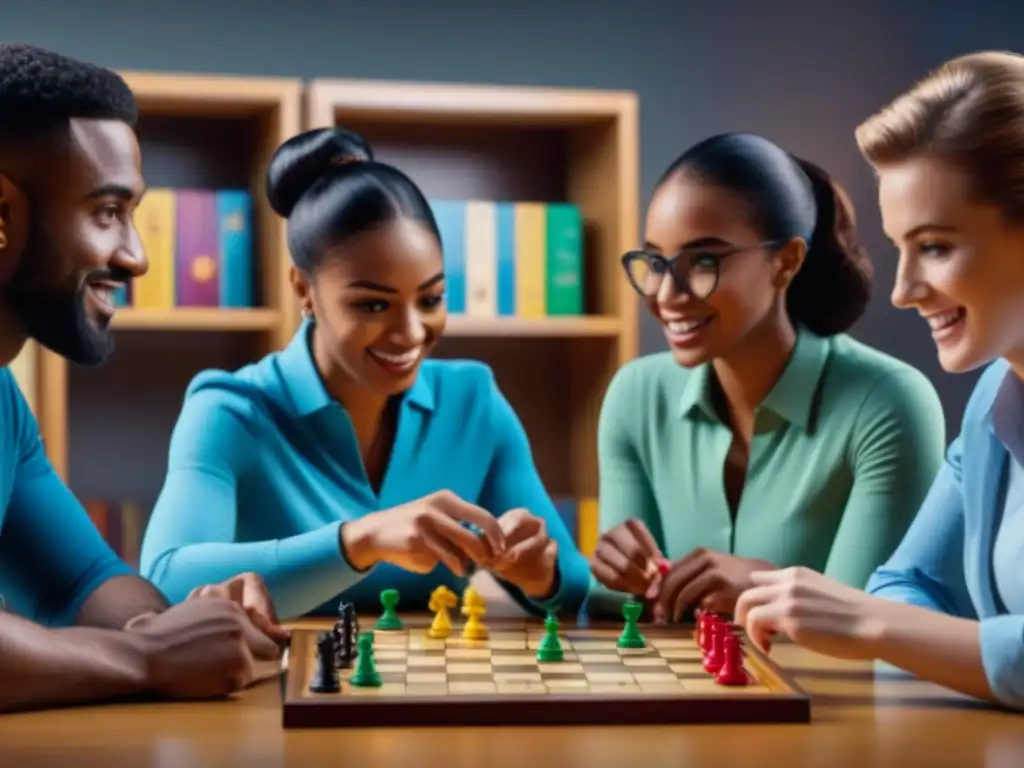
[
  {"x": 325, "y": 678},
  {"x": 346, "y": 631}
]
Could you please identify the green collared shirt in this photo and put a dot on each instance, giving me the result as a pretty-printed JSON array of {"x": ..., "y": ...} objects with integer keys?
[{"x": 845, "y": 447}]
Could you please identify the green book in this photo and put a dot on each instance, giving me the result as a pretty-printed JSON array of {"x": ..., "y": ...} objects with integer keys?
[{"x": 564, "y": 259}]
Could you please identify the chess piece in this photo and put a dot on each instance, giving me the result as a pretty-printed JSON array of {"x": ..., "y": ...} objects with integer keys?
[
  {"x": 631, "y": 637},
  {"x": 346, "y": 631},
  {"x": 366, "y": 674},
  {"x": 732, "y": 672},
  {"x": 473, "y": 607},
  {"x": 706, "y": 632},
  {"x": 389, "y": 620},
  {"x": 325, "y": 677},
  {"x": 550, "y": 648},
  {"x": 713, "y": 661},
  {"x": 442, "y": 600}
]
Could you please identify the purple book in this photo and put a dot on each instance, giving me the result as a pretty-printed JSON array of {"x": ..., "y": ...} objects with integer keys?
[{"x": 198, "y": 241}]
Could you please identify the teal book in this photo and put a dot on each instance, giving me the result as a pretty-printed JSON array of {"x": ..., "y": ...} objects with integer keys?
[
  {"x": 450, "y": 216},
  {"x": 564, "y": 259},
  {"x": 506, "y": 237},
  {"x": 234, "y": 221}
]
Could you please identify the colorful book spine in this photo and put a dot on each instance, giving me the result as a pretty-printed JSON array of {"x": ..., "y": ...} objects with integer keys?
[
  {"x": 481, "y": 258},
  {"x": 234, "y": 220},
  {"x": 198, "y": 241},
  {"x": 156, "y": 222},
  {"x": 506, "y": 255},
  {"x": 450, "y": 217},
  {"x": 587, "y": 521},
  {"x": 564, "y": 263},
  {"x": 531, "y": 245},
  {"x": 567, "y": 512}
]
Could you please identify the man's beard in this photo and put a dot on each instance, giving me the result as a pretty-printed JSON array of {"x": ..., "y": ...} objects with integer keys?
[{"x": 54, "y": 314}]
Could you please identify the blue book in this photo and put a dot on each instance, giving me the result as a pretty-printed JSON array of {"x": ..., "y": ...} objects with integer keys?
[
  {"x": 567, "y": 511},
  {"x": 234, "y": 222},
  {"x": 506, "y": 213},
  {"x": 450, "y": 216}
]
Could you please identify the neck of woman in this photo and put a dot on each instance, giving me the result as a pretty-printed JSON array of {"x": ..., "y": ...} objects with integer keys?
[
  {"x": 366, "y": 409},
  {"x": 750, "y": 371}
]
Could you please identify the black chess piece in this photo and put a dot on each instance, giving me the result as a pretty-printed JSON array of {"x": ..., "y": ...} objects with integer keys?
[
  {"x": 346, "y": 631},
  {"x": 325, "y": 678}
]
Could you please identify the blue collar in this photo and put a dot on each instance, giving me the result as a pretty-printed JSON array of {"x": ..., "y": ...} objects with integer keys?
[
  {"x": 305, "y": 388},
  {"x": 1006, "y": 414}
]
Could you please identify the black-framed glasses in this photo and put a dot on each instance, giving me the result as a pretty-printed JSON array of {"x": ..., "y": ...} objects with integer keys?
[{"x": 694, "y": 272}]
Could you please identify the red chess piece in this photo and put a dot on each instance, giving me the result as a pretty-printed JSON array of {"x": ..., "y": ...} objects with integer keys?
[
  {"x": 715, "y": 658},
  {"x": 705, "y": 632},
  {"x": 732, "y": 672}
]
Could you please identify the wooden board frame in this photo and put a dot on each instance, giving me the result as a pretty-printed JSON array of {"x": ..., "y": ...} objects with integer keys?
[{"x": 787, "y": 703}]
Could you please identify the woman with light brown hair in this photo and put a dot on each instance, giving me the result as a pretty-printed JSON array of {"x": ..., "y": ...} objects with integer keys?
[{"x": 949, "y": 604}]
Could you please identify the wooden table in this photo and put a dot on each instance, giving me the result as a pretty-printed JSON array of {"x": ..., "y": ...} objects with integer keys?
[{"x": 864, "y": 715}]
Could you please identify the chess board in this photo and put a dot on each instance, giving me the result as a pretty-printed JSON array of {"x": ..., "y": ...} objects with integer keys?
[{"x": 499, "y": 681}]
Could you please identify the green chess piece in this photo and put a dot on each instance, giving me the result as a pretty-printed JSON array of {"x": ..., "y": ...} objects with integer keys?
[
  {"x": 365, "y": 674},
  {"x": 550, "y": 648},
  {"x": 631, "y": 637},
  {"x": 389, "y": 620}
]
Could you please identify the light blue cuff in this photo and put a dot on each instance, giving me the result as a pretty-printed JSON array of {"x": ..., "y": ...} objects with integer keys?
[
  {"x": 1002, "y": 655},
  {"x": 905, "y": 594}
]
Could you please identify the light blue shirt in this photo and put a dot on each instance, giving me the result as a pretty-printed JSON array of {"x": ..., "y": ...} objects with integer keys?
[
  {"x": 946, "y": 561},
  {"x": 264, "y": 468},
  {"x": 1008, "y": 555},
  {"x": 52, "y": 558}
]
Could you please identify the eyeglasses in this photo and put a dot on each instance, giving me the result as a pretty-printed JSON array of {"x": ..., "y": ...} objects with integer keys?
[{"x": 693, "y": 272}]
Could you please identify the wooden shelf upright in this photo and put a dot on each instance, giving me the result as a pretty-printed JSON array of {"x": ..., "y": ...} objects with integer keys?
[
  {"x": 516, "y": 144},
  {"x": 195, "y": 131}
]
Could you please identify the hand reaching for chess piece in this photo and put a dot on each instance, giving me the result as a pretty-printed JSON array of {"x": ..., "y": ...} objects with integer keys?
[
  {"x": 420, "y": 534},
  {"x": 531, "y": 560}
]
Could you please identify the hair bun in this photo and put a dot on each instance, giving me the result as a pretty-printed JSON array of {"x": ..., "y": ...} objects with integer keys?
[{"x": 302, "y": 159}]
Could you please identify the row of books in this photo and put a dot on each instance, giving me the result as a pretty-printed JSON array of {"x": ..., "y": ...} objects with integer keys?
[
  {"x": 123, "y": 524},
  {"x": 199, "y": 243},
  {"x": 522, "y": 259}
]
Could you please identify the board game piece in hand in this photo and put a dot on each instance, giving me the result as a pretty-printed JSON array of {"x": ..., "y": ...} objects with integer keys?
[
  {"x": 713, "y": 661},
  {"x": 389, "y": 621},
  {"x": 550, "y": 648},
  {"x": 325, "y": 677},
  {"x": 732, "y": 672},
  {"x": 345, "y": 633},
  {"x": 366, "y": 674},
  {"x": 442, "y": 600},
  {"x": 473, "y": 607},
  {"x": 631, "y": 637}
]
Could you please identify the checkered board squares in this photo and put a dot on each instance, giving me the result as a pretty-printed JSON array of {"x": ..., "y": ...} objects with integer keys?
[{"x": 477, "y": 680}]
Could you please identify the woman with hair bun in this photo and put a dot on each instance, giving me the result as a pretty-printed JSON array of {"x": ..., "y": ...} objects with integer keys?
[
  {"x": 765, "y": 437},
  {"x": 349, "y": 463},
  {"x": 949, "y": 604}
]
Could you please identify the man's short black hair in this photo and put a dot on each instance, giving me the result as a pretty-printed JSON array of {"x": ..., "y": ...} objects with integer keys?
[{"x": 41, "y": 91}]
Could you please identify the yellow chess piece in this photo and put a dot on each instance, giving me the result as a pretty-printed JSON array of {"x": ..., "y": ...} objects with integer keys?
[
  {"x": 442, "y": 600},
  {"x": 473, "y": 607}
]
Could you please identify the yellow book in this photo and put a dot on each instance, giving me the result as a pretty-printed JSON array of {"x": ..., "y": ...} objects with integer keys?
[
  {"x": 531, "y": 262},
  {"x": 155, "y": 223},
  {"x": 587, "y": 524},
  {"x": 23, "y": 368}
]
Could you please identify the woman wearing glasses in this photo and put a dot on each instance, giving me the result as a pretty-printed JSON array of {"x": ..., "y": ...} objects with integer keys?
[{"x": 765, "y": 437}]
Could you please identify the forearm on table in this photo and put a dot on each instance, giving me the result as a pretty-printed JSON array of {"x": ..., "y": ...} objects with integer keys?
[
  {"x": 943, "y": 649},
  {"x": 301, "y": 572},
  {"x": 118, "y": 600},
  {"x": 42, "y": 667}
]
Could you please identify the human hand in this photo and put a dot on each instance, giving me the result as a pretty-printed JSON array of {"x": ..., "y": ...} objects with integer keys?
[
  {"x": 419, "y": 535},
  {"x": 531, "y": 558},
  {"x": 627, "y": 559},
  {"x": 251, "y": 593},
  {"x": 705, "y": 578},
  {"x": 812, "y": 610},
  {"x": 200, "y": 648}
]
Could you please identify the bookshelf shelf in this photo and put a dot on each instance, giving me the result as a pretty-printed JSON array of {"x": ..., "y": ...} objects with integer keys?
[
  {"x": 547, "y": 327},
  {"x": 550, "y": 145},
  {"x": 197, "y": 319}
]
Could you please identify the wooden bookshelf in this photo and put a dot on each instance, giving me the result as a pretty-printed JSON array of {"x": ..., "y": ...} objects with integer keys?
[
  {"x": 516, "y": 144},
  {"x": 195, "y": 131}
]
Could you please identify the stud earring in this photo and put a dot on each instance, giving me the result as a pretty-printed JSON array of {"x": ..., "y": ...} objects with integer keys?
[{"x": 3, "y": 239}]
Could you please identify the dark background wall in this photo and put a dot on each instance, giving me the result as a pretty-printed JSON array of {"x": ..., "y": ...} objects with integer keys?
[{"x": 800, "y": 72}]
